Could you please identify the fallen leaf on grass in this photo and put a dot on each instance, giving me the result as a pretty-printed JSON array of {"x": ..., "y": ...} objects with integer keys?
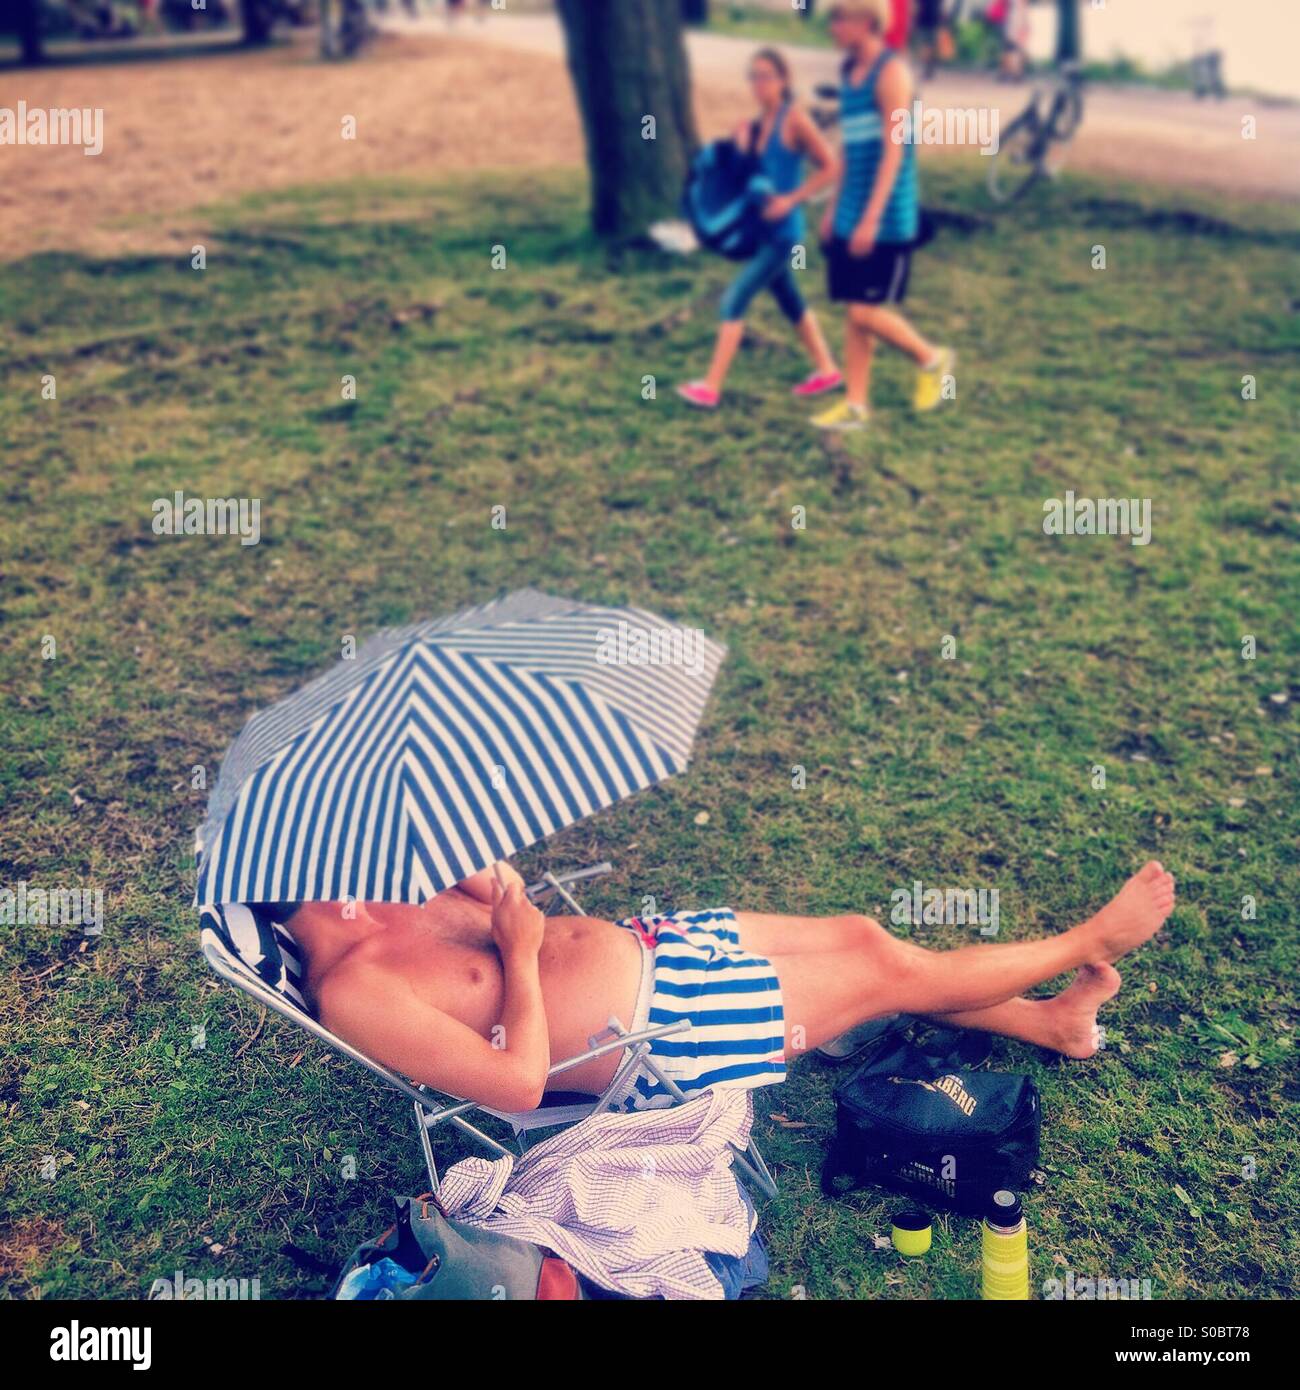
[{"x": 1186, "y": 1200}]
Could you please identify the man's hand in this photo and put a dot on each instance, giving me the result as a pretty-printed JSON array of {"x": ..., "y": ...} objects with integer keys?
[
  {"x": 479, "y": 886},
  {"x": 517, "y": 926},
  {"x": 863, "y": 238},
  {"x": 828, "y": 224}
]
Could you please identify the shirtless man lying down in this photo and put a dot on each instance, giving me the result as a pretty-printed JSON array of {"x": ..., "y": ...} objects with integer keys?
[{"x": 475, "y": 992}]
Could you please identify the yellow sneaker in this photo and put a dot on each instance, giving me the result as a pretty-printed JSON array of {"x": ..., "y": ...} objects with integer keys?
[
  {"x": 929, "y": 380},
  {"x": 841, "y": 416}
]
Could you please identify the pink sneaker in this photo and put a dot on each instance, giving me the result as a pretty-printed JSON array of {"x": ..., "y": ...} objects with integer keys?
[
  {"x": 819, "y": 383},
  {"x": 696, "y": 393}
]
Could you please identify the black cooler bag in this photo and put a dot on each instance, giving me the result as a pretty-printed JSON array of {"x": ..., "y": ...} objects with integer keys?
[{"x": 913, "y": 1119}]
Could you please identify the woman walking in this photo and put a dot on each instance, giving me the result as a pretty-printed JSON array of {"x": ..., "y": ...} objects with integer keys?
[{"x": 782, "y": 135}]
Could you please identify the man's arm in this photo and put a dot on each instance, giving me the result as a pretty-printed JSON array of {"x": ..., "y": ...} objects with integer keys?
[
  {"x": 893, "y": 94},
  {"x": 377, "y": 1010}
]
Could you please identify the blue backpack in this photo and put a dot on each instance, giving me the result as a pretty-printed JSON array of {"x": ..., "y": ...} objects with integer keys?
[{"x": 724, "y": 196}]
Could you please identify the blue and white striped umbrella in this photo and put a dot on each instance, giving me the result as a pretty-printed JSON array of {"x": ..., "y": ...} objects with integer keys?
[{"x": 447, "y": 745}]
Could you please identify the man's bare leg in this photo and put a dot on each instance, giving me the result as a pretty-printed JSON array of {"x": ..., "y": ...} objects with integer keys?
[
  {"x": 829, "y": 991},
  {"x": 859, "y": 346},
  {"x": 1065, "y": 1023},
  {"x": 890, "y": 326}
]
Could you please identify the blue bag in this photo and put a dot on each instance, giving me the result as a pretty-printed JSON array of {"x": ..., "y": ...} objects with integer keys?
[{"x": 726, "y": 190}]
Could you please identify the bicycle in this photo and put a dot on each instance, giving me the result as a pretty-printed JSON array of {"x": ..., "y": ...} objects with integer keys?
[
  {"x": 827, "y": 115},
  {"x": 1033, "y": 146}
]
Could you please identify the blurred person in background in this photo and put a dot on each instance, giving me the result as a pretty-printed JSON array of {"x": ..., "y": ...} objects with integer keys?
[
  {"x": 1008, "y": 22},
  {"x": 899, "y": 26},
  {"x": 1015, "y": 40},
  {"x": 931, "y": 36},
  {"x": 781, "y": 136},
  {"x": 873, "y": 223}
]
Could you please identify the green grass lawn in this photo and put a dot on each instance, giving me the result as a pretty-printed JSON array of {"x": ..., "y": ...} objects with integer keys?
[{"x": 523, "y": 386}]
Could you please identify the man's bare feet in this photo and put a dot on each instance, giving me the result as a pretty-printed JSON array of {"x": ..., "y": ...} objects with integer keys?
[
  {"x": 1132, "y": 916},
  {"x": 1073, "y": 1013}
]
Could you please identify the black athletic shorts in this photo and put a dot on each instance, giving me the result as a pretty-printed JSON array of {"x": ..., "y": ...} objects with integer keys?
[{"x": 880, "y": 277}]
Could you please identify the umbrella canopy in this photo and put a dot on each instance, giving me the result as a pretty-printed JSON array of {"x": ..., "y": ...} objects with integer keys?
[{"x": 447, "y": 745}]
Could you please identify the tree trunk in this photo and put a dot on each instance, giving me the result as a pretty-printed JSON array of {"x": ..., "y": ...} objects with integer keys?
[
  {"x": 1069, "y": 44},
  {"x": 23, "y": 18},
  {"x": 259, "y": 21},
  {"x": 632, "y": 79}
]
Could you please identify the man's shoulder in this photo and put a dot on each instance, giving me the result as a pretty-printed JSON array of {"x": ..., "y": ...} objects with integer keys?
[{"x": 369, "y": 966}]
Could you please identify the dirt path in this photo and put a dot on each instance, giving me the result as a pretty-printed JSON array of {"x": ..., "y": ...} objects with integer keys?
[
  {"x": 1132, "y": 132},
  {"x": 197, "y": 127},
  {"x": 193, "y": 129}
]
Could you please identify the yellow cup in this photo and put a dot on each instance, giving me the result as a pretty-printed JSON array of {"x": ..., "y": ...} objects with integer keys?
[{"x": 911, "y": 1232}]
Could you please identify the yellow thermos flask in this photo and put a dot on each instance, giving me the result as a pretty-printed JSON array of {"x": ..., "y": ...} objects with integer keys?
[{"x": 1005, "y": 1239}]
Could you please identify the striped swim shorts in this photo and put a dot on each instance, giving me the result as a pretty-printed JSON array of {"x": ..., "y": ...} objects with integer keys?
[{"x": 694, "y": 968}]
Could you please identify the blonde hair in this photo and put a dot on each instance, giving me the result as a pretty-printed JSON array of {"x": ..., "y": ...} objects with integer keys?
[{"x": 880, "y": 11}]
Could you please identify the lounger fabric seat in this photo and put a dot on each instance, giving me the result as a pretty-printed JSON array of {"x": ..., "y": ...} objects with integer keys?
[{"x": 250, "y": 941}]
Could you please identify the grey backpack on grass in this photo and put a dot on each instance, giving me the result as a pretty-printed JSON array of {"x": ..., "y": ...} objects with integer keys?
[{"x": 457, "y": 1262}]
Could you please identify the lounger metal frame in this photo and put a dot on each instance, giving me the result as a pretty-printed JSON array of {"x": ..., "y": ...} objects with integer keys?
[{"x": 432, "y": 1108}]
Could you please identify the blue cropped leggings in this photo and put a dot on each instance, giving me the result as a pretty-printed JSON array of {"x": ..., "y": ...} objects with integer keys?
[{"x": 769, "y": 269}]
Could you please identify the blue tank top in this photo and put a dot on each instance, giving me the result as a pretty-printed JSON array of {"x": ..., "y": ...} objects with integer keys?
[
  {"x": 864, "y": 145},
  {"x": 785, "y": 168}
]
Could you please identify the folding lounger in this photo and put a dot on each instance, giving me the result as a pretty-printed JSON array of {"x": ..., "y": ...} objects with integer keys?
[{"x": 261, "y": 958}]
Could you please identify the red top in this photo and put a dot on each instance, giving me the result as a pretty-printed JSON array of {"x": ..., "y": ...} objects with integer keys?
[{"x": 896, "y": 34}]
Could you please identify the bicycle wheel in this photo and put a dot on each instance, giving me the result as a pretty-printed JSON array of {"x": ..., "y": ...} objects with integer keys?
[
  {"x": 1063, "y": 121},
  {"x": 1015, "y": 167},
  {"x": 1067, "y": 112}
]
